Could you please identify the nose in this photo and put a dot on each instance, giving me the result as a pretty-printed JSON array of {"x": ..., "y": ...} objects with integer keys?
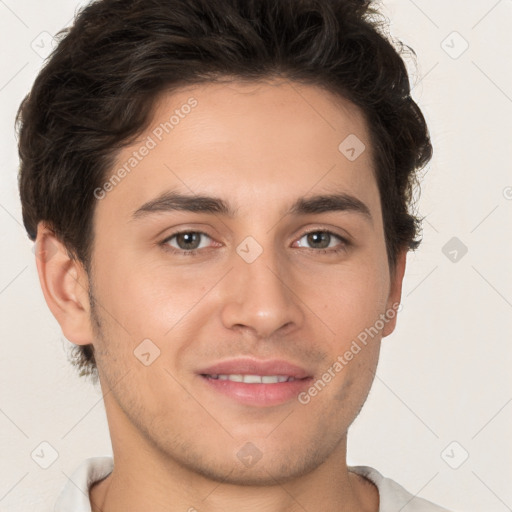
[{"x": 259, "y": 297}]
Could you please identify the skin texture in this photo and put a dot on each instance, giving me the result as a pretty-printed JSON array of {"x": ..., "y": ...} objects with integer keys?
[{"x": 259, "y": 147}]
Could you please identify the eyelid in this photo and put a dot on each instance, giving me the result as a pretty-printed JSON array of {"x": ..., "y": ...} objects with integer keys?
[
  {"x": 180, "y": 232},
  {"x": 326, "y": 229},
  {"x": 345, "y": 241}
]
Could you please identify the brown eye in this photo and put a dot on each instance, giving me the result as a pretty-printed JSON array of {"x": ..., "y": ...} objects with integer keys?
[
  {"x": 188, "y": 240},
  {"x": 321, "y": 240}
]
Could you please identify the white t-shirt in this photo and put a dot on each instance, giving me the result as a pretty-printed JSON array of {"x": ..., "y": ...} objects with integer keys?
[{"x": 75, "y": 495}]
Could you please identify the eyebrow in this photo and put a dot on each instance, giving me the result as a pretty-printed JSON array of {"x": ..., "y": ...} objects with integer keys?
[{"x": 174, "y": 201}]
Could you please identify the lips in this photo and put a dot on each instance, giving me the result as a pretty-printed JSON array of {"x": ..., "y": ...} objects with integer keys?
[
  {"x": 257, "y": 368},
  {"x": 255, "y": 382},
  {"x": 253, "y": 379}
]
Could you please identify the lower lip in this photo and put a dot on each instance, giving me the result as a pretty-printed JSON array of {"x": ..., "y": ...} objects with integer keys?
[{"x": 264, "y": 395}]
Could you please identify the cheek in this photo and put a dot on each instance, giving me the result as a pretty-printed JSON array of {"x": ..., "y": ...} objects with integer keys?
[
  {"x": 348, "y": 300},
  {"x": 150, "y": 299}
]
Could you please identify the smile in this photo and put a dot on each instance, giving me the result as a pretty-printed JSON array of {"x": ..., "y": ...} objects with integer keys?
[{"x": 253, "y": 379}]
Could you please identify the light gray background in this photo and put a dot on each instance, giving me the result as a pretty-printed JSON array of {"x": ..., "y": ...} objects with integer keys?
[{"x": 443, "y": 385}]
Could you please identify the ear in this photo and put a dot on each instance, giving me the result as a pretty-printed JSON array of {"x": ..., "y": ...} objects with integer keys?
[
  {"x": 395, "y": 293},
  {"x": 65, "y": 286}
]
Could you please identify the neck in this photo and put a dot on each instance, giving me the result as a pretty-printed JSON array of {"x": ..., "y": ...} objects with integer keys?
[
  {"x": 143, "y": 483},
  {"x": 145, "y": 478}
]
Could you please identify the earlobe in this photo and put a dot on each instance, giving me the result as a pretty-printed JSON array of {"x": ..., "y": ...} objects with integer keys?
[
  {"x": 65, "y": 285},
  {"x": 395, "y": 293}
]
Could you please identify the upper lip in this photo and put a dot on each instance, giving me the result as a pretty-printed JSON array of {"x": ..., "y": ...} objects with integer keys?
[{"x": 246, "y": 366}]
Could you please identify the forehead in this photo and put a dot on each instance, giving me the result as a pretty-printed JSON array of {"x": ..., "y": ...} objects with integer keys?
[{"x": 256, "y": 143}]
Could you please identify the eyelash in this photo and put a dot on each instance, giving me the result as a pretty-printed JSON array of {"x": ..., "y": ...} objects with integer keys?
[{"x": 194, "y": 252}]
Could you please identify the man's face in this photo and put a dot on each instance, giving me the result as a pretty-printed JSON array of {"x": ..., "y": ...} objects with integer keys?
[{"x": 260, "y": 290}]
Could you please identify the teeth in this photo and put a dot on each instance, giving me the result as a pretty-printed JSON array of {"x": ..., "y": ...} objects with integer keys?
[
  {"x": 271, "y": 379},
  {"x": 254, "y": 379}
]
